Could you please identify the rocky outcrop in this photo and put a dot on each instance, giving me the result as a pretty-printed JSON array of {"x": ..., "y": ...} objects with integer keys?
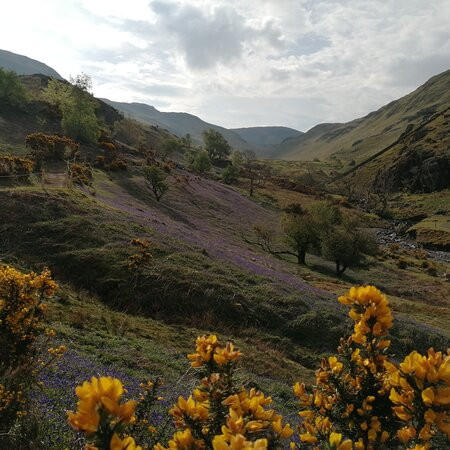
[{"x": 418, "y": 170}]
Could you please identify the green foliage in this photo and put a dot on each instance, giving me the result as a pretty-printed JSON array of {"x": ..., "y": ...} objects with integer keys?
[
  {"x": 215, "y": 144},
  {"x": 168, "y": 147},
  {"x": 12, "y": 92},
  {"x": 230, "y": 174},
  {"x": 157, "y": 179},
  {"x": 77, "y": 106},
  {"x": 200, "y": 162},
  {"x": 301, "y": 233},
  {"x": 128, "y": 131},
  {"x": 347, "y": 246},
  {"x": 237, "y": 158}
]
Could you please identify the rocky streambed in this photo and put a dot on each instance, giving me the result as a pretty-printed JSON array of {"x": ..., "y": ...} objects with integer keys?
[{"x": 395, "y": 233}]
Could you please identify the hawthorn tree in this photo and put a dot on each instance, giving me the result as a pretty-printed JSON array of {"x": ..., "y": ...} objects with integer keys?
[
  {"x": 157, "y": 179},
  {"x": 215, "y": 144}
]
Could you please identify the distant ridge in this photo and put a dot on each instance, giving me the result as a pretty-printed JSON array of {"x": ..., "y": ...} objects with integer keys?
[
  {"x": 361, "y": 138},
  {"x": 23, "y": 65},
  {"x": 178, "y": 123},
  {"x": 266, "y": 138}
]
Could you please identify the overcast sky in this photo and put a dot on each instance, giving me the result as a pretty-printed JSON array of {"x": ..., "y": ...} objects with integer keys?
[{"x": 239, "y": 62}]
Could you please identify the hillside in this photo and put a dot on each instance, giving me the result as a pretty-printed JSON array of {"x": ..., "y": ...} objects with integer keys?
[
  {"x": 359, "y": 139},
  {"x": 265, "y": 139},
  {"x": 178, "y": 123},
  {"x": 23, "y": 65}
]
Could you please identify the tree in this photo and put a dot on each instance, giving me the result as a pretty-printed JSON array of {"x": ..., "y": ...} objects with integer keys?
[
  {"x": 237, "y": 158},
  {"x": 157, "y": 179},
  {"x": 251, "y": 169},
  {"x": 301, "y": 234},
  {"x": 215, "y": 144},
  {"x": 77, "y": 106},
  {"x": 304, "y": 229},
  {"x": 230, "y": 174},
  {"x": 169, "y": 146},
  {"x": 347, "y": 246},
  {"x": 12, "y": 91},
  {"x": 200, "y": 162}
]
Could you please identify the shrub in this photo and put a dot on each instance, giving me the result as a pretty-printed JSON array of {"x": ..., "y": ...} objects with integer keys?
[
  {"x": 230, "y": 174},
  {"x": 402, "y": 264},
  {"x": 45, "y": 147},
  {"x": 80, "y": 174},
  {"x": 200, "y": 162},
  {"x": 361, "y": 399},
  {"x": 22, "y": 309},
  {"x": 12, "y": 91},
  {"x": 157, "y": 179},
  {"x": 118, "y": 164},
  {"x": 15, "y": 165}
]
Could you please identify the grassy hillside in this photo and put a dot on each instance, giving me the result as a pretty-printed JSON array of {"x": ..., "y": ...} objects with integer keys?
[
  {"x": 265, "y": 139},
  {"x": 23, "y": 65},
  {"x": 361, "y": 138},
  {"x": 178, "y": 123}
]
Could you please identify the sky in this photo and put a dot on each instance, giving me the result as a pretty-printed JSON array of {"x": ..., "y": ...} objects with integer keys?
[{"x": 239, "y": 63}]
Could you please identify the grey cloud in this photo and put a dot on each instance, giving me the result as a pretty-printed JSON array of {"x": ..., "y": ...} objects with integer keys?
[{"x": 209, "y": 38}]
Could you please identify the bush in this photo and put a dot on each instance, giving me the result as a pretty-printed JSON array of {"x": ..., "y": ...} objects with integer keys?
[
  {"x": 80, "y": 174},
  {"x": 361, "y": 398},
  {"x": 157, "y": 179},
  {"x": 45, "y": 147},
  {"x": 22, "y": 309},
  {"x": 15, "y": 165},
  {"x": 200, "y": 162},
  {"x": 230, "y": 174},
  {"x": 12, "y": 91}
]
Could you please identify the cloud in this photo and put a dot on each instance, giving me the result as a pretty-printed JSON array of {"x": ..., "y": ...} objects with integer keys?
[
  {"x": 207, "y": 37},
  {"x": 240, "y": 62}
]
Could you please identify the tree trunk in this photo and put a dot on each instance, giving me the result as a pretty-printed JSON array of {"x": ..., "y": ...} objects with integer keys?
[
  {"x": 340, "y": 270},
  {"x": 301, "y": 256}
]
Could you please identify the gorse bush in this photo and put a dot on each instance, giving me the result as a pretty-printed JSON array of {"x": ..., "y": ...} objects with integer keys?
[
  {"x": 15, "y": 165},
  {"x": 361, "y": 398},
  {"x": 22, "y": 310},
  {"x": 50, "y": 147}
]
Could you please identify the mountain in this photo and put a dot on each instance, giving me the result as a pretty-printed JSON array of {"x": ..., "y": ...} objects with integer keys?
[
  {"x": 361, "y": 138},
  {"x": 23, "y": 65},
  {"x": 265, "y": 139},
  {"x": 178, "y": 123}
]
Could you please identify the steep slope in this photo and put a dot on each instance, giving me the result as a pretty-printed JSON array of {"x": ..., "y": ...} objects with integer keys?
[
  {"x": 23, "y": 65},
  {"x": 265, "y": 139},
  {"x": 177, "y": 122},
  {"x": 359, "y": 139}
]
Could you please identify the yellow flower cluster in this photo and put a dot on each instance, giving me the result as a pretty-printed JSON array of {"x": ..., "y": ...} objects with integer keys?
[
  {"x": 360, "y": 400},
  {"x": 99, "y": 401},
  {"x": 420, "y": 391},
  {"x": 21, "y": 323},
  {"x": 208, "y": 350},
  {"x": 370, "y": 311},
  {"x": 248, "y": 416},
  {"x": 21, "y": 304},
  {"x": 182, "y": 440}
]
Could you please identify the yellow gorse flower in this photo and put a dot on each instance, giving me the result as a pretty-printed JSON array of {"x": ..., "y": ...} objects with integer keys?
[
  {"x": 368, "y": 305},
  {"x": 104, "y": 394},
  {"x": 208, "y": 349}
]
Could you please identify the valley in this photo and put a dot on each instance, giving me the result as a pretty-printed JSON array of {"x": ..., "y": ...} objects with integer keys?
[{"x": 151, "y": 248}]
